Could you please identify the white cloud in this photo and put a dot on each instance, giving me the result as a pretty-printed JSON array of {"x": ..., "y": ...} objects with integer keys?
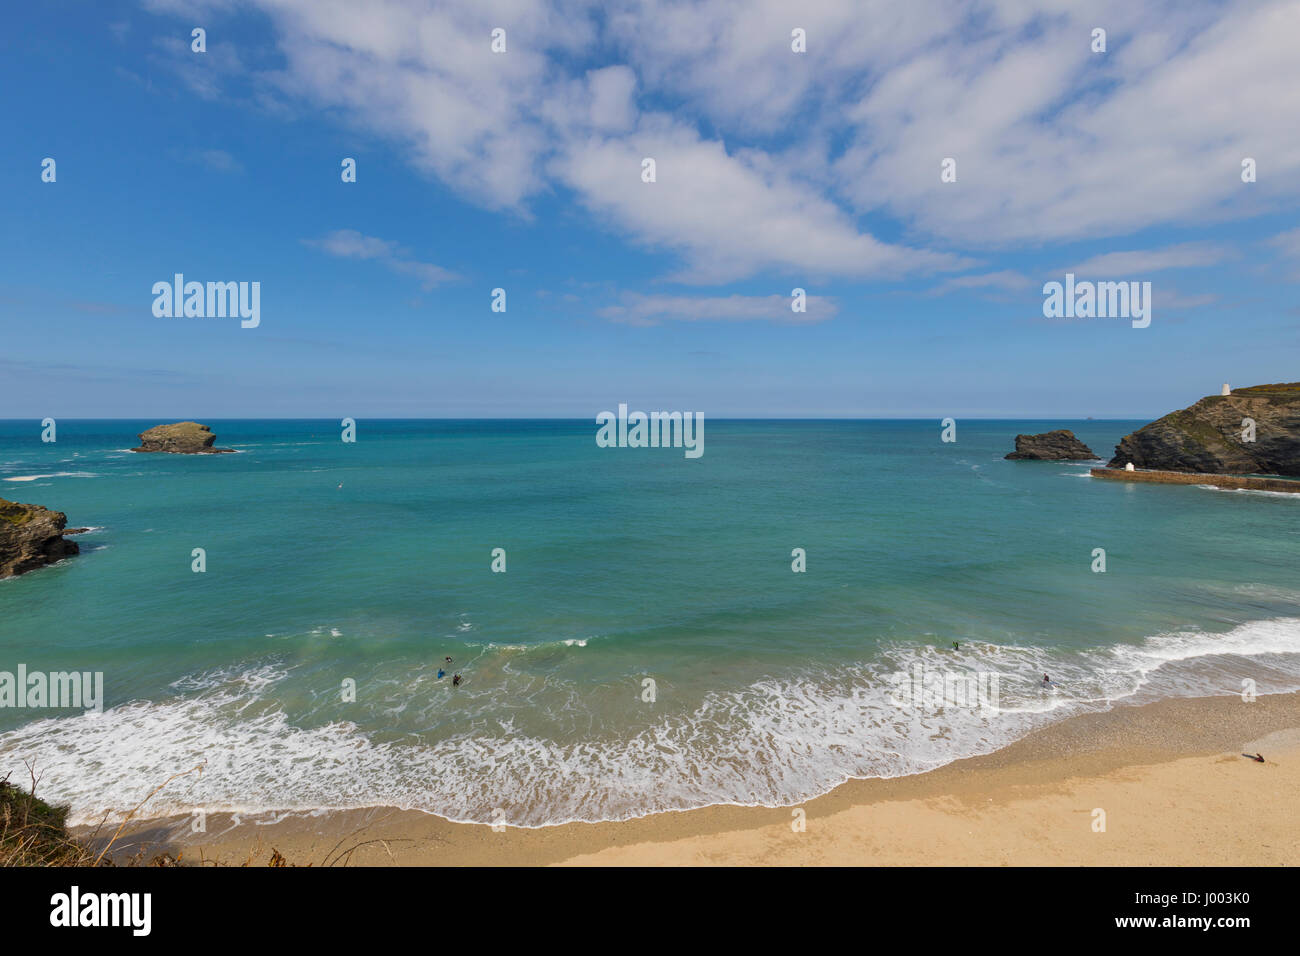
[
  {"x": 612, "y": 105},
  {"x": 502, "y": 128},
  {"x": 350, "y": 244},
  {"x": 636, "y": 309},
  {"x": 218, "y": 160},
  {"x": 1288, "y": 242},
  {"x": 1007, "y": 280},
  {"x": 1164, "y": 297},
  {"x": 1187, "y": 255},
  {"x": 730, "y": 215},
  {"x": 772, "y": 161},
  {"x": 203, "y": 73},
  {"x": 425, "y": 75},
  {"x": 1054, "y": 142}
]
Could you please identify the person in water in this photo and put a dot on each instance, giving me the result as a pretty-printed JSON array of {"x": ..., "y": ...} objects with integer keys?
[
  {"x": 1047, "y": 681},
  {"x": 455, "y": 681},
  {"x": 441, "y": 673},
  {"x": 955, "y": 646}
]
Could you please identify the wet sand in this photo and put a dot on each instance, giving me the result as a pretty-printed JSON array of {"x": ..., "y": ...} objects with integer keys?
[{"x": 1169, "y": 778}]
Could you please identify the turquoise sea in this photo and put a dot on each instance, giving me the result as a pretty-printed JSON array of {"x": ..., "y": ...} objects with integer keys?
[{"x": 370, "y": 562}]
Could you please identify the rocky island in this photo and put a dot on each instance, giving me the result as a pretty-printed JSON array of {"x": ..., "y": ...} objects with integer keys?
[
  {"x": 1059, "y": 445},
  {"x": 31, "y": 537},
  {"x": 1248, "y": 431},
  {"x": 181, "y": 438}
]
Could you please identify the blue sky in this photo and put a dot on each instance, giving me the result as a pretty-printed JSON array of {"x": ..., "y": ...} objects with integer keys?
[{"x": 521, "y": 170}]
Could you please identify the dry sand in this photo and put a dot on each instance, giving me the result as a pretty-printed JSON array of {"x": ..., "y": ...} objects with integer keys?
[{"x": 1169, "y": 777}]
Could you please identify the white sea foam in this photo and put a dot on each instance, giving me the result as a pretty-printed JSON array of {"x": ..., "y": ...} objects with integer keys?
[
  {"x": 57, "y": 474},
  {"x": 1293, "y": 495},
  {"x": 1267, "y": 592},
  {"x": 320, "y": 631},
  {"x": 541, "y": 645},
  {"x": 776, "y": 742},
  {"x": 228, "y": 451}
]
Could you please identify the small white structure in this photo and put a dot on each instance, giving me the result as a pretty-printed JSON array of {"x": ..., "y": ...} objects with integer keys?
[
  {"x": 1129, "y": 467},
  {"x": 1226, "y": 390}
]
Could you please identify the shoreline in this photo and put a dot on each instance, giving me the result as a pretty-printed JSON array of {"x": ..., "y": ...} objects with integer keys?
[{"x": 1169, "y": 776}]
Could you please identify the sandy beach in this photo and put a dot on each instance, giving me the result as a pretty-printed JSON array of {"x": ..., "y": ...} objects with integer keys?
[{"x": 1169, "y": 778}]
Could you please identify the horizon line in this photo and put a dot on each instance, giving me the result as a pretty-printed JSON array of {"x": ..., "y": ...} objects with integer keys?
[{"x": 549, "y": 418}]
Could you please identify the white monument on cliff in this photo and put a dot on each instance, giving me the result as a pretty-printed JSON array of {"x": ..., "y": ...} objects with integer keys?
[{"x": 1226, "y": 390}]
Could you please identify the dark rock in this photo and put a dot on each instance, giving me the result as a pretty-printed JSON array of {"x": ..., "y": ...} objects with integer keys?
[
  {"x": 31, "y": 537},
  {"x": 1060, "y": 445},
  {"x": 182, "y": 438},
  {"x": 1208, "y": 437}
]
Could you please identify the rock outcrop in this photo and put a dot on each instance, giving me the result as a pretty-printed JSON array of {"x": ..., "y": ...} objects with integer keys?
[
  {"x": 182, "y": 438},
  {"x": 1060, "y": 445},
  {"x": 1214, "y": 436},
  {"x": 31, "y": 537}
]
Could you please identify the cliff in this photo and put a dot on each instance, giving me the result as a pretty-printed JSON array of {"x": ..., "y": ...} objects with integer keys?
[
  {"x": 31, "y": 537},
  {"x": 1051, "y": 446},
  {"x": 1211, "y": 436},
  {"x": 181, "y": 438}
]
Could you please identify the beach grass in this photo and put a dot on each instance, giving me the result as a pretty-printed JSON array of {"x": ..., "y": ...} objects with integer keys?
[{"x": 35, "y": 833}]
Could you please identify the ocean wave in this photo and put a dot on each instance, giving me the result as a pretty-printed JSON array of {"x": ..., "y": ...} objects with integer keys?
[
  {"x": 775, "y": 742},
  {"x": 1293, "y": 495},
  {"x": 539, "y": 646},
  {"x": 1267, "y": 591},
  {"x": 228, "y": 451},
  {"x": 57, "y": 474}
]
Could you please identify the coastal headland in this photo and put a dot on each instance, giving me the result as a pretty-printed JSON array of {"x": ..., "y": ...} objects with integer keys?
[
  {"x": 32, "y": 536},
  {"x": 1242, "y": 431}
]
